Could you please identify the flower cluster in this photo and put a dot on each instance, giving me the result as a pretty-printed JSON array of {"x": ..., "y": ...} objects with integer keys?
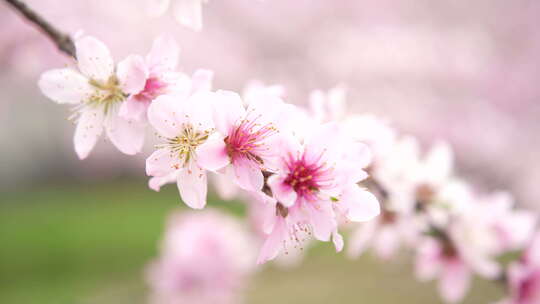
[
  {"x": 308, "y": 173},
  {"x": 454, "y": 230},
  {"x": 305, "y": 178}
]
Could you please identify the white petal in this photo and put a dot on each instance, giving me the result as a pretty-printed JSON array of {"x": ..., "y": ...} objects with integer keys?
[
  {"x": 164, "y": 54},
  {"x": 189, "y": 13},
  {"x": 162, "y": 163},
  {"x": 89, "y": 128},
  {"x": 454, "y": 282},
  {"x": 322, "y": 222},
  {"x": 274, "y": 242},
  {"x": 95, "y": 60},
  {"x": 155, "y": 183},
  {"x": 337, "y": 239},
  {"x": 324, "y": 141},
  {"x": 65, "y": 86},
  {"x": 198, "y": 109},
  {"x": 228, "y": 110},
  {"x": 248, "y": 175},
  {"x": 225, "y": 186},
  {"x": 166, "y": 115},
  {"x": 134, "y": 109},
  {"x": 132, "y": 74},
  {"x": 127, "y": 135},
  {"x": 359, "y": 204},
  {"x": 212, "y": 154},
  {"x": 193, "y": 186}
]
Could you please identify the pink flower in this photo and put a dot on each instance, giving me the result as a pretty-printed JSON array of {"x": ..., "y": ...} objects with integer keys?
[
  {"x": 184, "y": 124},
  {"x": 315, "y": 185},
  {"x": 524, "y": 276},
  {"x": 246, "y": 139},
  {"x": 469, "y": 243},
  {"x": 440, "y": 259},
  {"x": 98, "y": 93},
  {"x": 147, "y": 78},
  {"x": 206, "y": 257},
  {"x": 512, "y": 227}
]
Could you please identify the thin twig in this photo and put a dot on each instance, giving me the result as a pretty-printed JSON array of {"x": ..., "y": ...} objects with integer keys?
[{"x": 63, "y": 41}]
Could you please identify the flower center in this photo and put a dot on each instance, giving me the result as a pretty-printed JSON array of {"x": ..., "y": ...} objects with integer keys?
[
  {"x": 528, "y": 287},
  {"x": 424, "y": 196},
  {"x": 152, "y": 89},
  {"x": 107, "y": 94},
  {"x": 307, "y": 179},
  {"x": 246, "y": 140},
  {"x": 184, "y": 145}
]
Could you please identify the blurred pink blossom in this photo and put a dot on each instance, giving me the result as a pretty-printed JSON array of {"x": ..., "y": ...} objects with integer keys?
[{"x": 206, "y": 258}]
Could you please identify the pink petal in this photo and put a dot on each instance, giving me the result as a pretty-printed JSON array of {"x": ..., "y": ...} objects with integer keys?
[
  {"x": 162, "y": 163},
  {"x": 165, "y": 114},
  {"x": 193, "y": 186},
  {"x": 132, "y": 74},
  {"x": 282, "y": 192},
  {"x": 225, "y": 186},
  {"x": 455, "y": 281},
  {"x": 95, "y": 60},
  {"x": 360, "y": 205},
  {"x": 324, "y": 140},
  {"x": 212, "y": 154},
  {"x": 322, "y": 221},
  {"x": 189, "y": 13},
  {"x": 164, "y": 54},
  {"x": 248, "y": 175},
  {"x": 228, "y": 110},
  {"x": 533, "y": 253},
  {"x": 428, "y": 260},
  {"x": 126, "y": 135},
  {"x": 89, "y": 128},
  {"x": 134, "y": 109},
  {"x": 274, "y": 242},
  {"x": 65, "y": 86}
]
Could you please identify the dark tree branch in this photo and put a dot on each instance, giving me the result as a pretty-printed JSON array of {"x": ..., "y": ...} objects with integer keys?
[{"x": 63, "y": 41}]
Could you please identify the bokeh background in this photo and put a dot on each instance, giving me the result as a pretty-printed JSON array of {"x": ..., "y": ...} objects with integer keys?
[{"x": 82, "y": 232}]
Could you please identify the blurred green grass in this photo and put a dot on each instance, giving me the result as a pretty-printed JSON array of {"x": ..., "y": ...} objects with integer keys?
[{"x": 89, "y": 243}]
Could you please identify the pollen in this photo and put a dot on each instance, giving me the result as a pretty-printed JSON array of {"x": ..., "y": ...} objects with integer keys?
[
  {"x": 184, "y": 145},
  {"x": 107, "y": 94}
]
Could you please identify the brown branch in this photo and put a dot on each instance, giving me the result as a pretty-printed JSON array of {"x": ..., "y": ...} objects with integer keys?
[{"x": 63, "y": 41}]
